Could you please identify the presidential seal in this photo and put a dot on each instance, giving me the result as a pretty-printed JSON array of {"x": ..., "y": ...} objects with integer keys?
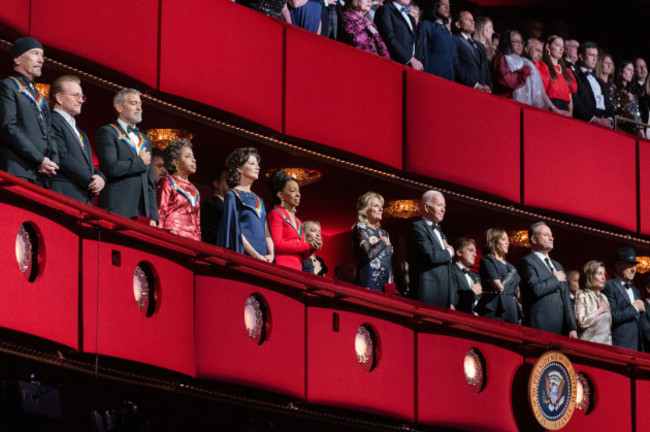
[{"x": 552, "y": 390}]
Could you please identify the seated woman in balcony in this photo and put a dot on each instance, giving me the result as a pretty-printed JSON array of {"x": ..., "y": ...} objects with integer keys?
[
  {"x": 559, "y": 81},
  {"x": 359, "y": 31},
  {"x": 626, "y": 102},
  {"x": 274, "y": 8},
  {"x": 243, "y": 224},
  {"x": 314, "y": 264},
  {"x": 499, "y": 279},
  {"x": 289, "y": 242},
  {"x": 593, "y": 315},
  {"x": 372, "y": 244},
  {"x": 434, "y": 45},
  {"x": 178, "y": 198}
]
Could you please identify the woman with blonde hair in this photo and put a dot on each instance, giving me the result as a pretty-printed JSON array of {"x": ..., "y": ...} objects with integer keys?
[
  {"x": 483, "y": 33},
  {"x": 372, "y": 244},
  {"x": 314, "y": 264},
  {"x": 593, "y": 315}
]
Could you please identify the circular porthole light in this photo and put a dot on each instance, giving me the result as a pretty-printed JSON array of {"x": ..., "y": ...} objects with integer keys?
[
  {"x": 584, "y": 392},
  {"x": 29, "y": 251},
  {"x": 474, "y": 368},
  {"x": 365, "y": 345},
  {"x": 257, "y": 318},
  {"x": 145, "y": 289}
]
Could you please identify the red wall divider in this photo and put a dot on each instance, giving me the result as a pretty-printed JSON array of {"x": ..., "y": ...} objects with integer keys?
[
  {"x": 15, "y": 13},
  {"x": 461, "y": 135},
  {"x": 341, "y": 97},
  {"x": 224, "y": 55},
  {"x": 644, "y": 187},
  {"x": 573, "y": 167}
]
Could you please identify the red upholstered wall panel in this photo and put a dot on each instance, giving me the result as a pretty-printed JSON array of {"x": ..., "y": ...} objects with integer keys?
[
  {"x": 641, "y": 401},
  {"x": 15, "y": 14},
  {"x": 47, "y": 307},
  {"x": 579, "y": 169},
  {"x": 209, "y": 54},
  {"x": 461, "y": 135},
  {"x": 445, "y": 399},
  {"x": 335, "y": 376},
  {"x": 130, "y": 47},
  {"x": 225, "y": 352},
  {"x": 644, "y": 186},
  {"x": 342, "y": 98},
  {"x": 112, "y": 321}
]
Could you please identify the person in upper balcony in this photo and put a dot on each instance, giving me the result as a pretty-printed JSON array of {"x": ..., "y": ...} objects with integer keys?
[
  {"x": 471, "y": 69},
  {"x": 514, "y": 76},
  {"x": 434, "y": 46},
  {"x": 558, "y": 80},
  {"x": 591, "y": 103},
  {"x": 626, "y": 102},
  {"x": 306, "y": 14},
  {"x": 544, "y": 292},
  {"x": 314, "y": 264},
  {"x": 77, "y": 178},
  {"x": 534, "y": 49},
  {"x": 158, "y": 164},
  {"x": 466, "y": 284},
  {"x": 178, "y": 199},
  {"x": 331, "y": 18},
  {"x": 593, "y": 316},
  {"x": 359, "y": 31},
  {"x": 573, "y": 283},
  {"x": 27, "y": 147},
  {"x": 429, "y": 253},
  {"x": 483, "y": 34},
  {"x": 274, "y": 8},
  {"x": 605, "y": 70},
  {"x": 291, "y": 247},
  {"x": 640, "y": 77},
  {"x": 397, "y": 29},
  {"x": 124, "y": 156},
  {"x": 571, "y": 47},
  {"x": 212, "y": 209},
  {"x": 243, "y": 226},
  {"x": 371, "y": 244}
]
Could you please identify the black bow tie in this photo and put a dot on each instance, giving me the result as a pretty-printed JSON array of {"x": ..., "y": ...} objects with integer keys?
[
  {"x": 435, "y": 227},
  {"x": 130, "y": 129},
  {"x": 466, "y": 271},
  {"x": 627, "y": 285}
]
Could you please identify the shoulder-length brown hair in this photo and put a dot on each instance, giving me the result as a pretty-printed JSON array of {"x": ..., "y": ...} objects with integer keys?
[
  {"x": 589, "y": 273},
  {"x": 237, "y": 159},
  {"x": 492, "y": 236}
]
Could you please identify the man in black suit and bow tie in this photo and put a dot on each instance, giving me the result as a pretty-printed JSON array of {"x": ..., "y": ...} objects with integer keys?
[
  {"x": 466, "y": 284},
  {"x": 591, "y": 103},
  {"x": 429, "y": 254},
  {"x": 472, "y": 66},
  {"x": 124, "y": 155},
  {"x": 544, "y": 292},
  {"x": 27, "y": 149},
  {"x": 212, "y": 209},
  {"x": 77, "y": 178},
  {"x": 625, "y": 303},
  {"x": 397, "y": 29}
]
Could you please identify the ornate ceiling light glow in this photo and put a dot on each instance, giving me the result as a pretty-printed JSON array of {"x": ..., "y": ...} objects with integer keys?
[
  {"x": 644, "y": 264},
  {"x": 474, "y": 368},
  {"x": 43, "y": 89},
  {"x": 303, "y": 176},
  {"x": 519, "y": 238},
  {"x": 257, "y": 318},
  {"x": 162, "y": 137},
  {"x": 365, "y": 345},
  {"x": 403, "y": 209}
]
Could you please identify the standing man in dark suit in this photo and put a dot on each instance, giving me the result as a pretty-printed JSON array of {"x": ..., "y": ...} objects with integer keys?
[
  {"x": 27, "y": 149},
  {"x": 466, "y": 284},
  {"x": 124, "y": 155},
  {"x": 624, "y": 301},
  {"x": 472, "y": 66},
  {"x": 591, "y": 103},
  {"x": 212, "y": 209},
  {"x": 544, "y": 291},
  {"x": 397, "y": 29},
  {"x": 429, "y": 254},
  {"x": 78, "y": 178}
]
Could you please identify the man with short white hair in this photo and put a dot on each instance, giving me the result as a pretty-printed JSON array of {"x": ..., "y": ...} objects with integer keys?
[{"x": 429, "y": 254}]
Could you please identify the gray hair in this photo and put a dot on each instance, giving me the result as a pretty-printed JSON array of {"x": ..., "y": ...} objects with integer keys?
[
  {"x": 534, "y": 228},
  {"x": 120, "y": 96},
  {"x": 428, "y": 195}
]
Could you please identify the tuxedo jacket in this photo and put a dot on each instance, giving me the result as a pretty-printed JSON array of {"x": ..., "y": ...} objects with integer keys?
[
  {"x": 625, "y": 317},
  {"x": 76, "y": 163},
  {"x": 211, "y": 212},
  {"x": 395, "y": 32},
  {"x": 463, "y": 295},
  {"x": 644, "y": 326},
  {"x": 130, "y": 190},
  {"x": 429, "y": 266},
  {"x": 545, "y": 299},
  {"x": 25, "y": 133},
  {"x": 472, "y": 66},
  {"x": 584, "y": 102}
]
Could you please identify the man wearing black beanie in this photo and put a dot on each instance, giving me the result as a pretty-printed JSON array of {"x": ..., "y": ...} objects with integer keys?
[{"x": 27, "y": 149}]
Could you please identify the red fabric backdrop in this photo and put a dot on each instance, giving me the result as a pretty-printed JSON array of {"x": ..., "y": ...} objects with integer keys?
[{"x": 15, "y": 13}]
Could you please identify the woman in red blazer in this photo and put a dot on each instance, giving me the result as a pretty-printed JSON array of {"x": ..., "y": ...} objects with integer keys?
[{"x": 287, "y": 231}]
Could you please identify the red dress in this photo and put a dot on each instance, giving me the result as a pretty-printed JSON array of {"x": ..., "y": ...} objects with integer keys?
[
  {"x": 291, "y": 249},
  {"x": 557, "y": 89},
  {"x": 178, "y": 207}
]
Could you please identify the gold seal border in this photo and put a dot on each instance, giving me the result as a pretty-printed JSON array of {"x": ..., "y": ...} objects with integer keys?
[{"x": 543, "y": 361}]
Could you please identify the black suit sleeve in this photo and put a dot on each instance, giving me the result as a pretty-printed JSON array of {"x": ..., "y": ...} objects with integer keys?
[
  {"x": 622, "y": 311},
  {"x": 533, "y": 283},
  {"x": 68, "y": 165},
  {"x": 152, "y": 193},
  {"x": 569, "y": 311},
  {"x": 111, "y": 166},
  {"x": 423, "y": 248},
  {"x": 399, "y": 52}
]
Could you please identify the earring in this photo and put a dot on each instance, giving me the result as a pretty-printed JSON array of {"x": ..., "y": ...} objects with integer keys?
[{"x": 281, "y": 202}]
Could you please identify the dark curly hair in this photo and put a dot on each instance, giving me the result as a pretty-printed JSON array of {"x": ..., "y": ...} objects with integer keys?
[
  {"x": 237, "y": 159},
  {"x": 277, "y": 182},
  {"x": 173, "y": 152}
]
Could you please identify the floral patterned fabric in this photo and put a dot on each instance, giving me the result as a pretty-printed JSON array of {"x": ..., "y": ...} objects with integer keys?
[
  {"x": 374, "y": 257},
  {"x": 361, "y": 33}
]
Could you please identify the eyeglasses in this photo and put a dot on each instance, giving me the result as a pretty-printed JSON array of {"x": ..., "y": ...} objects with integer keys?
[
  {"x": 79, "y": 97},
  {"x": 517, "y": 41}
]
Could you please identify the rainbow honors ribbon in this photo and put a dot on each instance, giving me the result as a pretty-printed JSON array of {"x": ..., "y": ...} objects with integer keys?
[
  {"x": 81, "y": 139},
  {"x": 193, "y": 199},
  {"x": 41, "y": 102},
  {"x": 259, "y": 206},
  {"x": 136, "y": 147},
  {"x": 287, "y": 218}
]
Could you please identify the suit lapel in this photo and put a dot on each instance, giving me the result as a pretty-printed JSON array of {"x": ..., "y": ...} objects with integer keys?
[
  {"x": 393, "y": 7},
  {"x": 72, "y": 134}
]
